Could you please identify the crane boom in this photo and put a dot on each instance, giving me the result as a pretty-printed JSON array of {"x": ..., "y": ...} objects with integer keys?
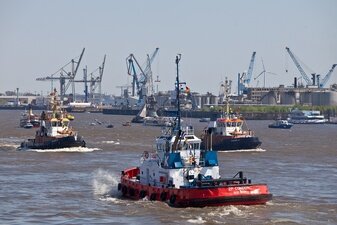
[
  {"x": 250, "y": 68},
  {"x": 102, "y": 69},
  {"x": 327, "y": 76},
  {"x": 141, "y": 77},
  {"x": 73, "y": 74},
  {"x": 304, "y": 75}
]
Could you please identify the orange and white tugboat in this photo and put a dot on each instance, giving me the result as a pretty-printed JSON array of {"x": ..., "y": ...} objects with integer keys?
[
  {"x": 183, "y": 175},
  {"x": 228, "y": 133},
  {"x": 54, "y": 131}
]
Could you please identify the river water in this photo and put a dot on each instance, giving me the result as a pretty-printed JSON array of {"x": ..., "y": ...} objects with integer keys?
[{"x": 79, "y": 185}]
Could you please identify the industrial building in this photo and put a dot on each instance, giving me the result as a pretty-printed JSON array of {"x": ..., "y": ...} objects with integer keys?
[{"x": 290, "y": 96}]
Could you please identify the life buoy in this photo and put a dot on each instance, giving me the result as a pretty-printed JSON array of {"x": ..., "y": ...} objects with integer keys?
[
  {"x": 172, "y": 199},
  {"x": 142, "y": 194},
  {"x": 163, "y": 196}
]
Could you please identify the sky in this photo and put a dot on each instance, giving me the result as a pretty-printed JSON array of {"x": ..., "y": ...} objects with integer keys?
[{"x": 216, "y": 39}]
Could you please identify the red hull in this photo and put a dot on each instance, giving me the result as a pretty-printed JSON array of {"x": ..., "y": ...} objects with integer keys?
[{"x": 215, "y": 195}]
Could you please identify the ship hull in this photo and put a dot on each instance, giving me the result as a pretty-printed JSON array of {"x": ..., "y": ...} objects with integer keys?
[
  {"x": 283, "y": 126},
  {"x": 53, "y": 143},
  {"x": 196, "y": 196},
  {"x": 226, "y": 143}
]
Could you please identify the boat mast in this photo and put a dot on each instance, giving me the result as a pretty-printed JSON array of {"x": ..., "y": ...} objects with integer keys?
[
  {"x": 178, "y": 57},
  {"x": 178, "y": 126}
]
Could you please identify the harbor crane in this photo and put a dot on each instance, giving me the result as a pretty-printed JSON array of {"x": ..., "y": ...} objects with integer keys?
[
  {"x": 314, "y": 76},
  {"x": 65, "y": 75},
  {"x": 94, "y": 81},
  {"x": 245, "y": 78},
  {"x": 142, "y": 82},
  {"x": 327, "y": 76}
]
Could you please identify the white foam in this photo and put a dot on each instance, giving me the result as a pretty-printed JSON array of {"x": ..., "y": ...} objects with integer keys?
[
  {"x": 246, "y": 150},
  {"x": 73, "y": 149},
  {"x": 105, "y": 183},
  {"x": 111, "y": 142},
  {"x": 10, "y": 143},
  {"x": 227, "y": 210},
  {"x": 111, "y": 199},
  {"x": 198, "y": 220},
  {"x": 7, "y": 145}
]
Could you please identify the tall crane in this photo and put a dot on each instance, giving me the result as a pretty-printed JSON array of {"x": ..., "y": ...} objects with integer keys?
[
  {"x": 299, "y": 67},
  {"x": 327, "y": 76},
  {"x": 132, "y": 72},
  {"x": 94, "y": 81},
  {"x": 304, "y": 75},
  {"x": 245, "y": 78},
  {"x": 65, "y": 75},
  {"x": 250, "y": 69},
  {"x": 142, "y": 82}
]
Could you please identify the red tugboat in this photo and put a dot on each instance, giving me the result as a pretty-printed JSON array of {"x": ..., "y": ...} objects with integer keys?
[
  {"x": 54, "y": 131},
  {"x": 183, "y": 175}
]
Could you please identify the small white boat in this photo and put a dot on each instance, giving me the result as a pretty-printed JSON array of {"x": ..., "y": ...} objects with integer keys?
[
  {"x": 282, "y": 124},
  {"x": 28, "y": 125}
]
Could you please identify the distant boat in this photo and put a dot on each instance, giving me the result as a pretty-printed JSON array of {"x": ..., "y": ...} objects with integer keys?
[
  {"x": 228, "y": 133},
  {"x": 109, "y": 126},
  {"x": 29, "y": 117},
  {"x": 98, "y": 122},
  {"x": 126, "y": 124},
  {"x": 158, "y": 121},
  {"x": 28, "y": 125},
  {"x": 205, "y": 120},
  {"x": 149, "y": 117},
  {"x": 54, "y": 131},
  {"x": 282, "y": 124},
  {"x": 306, "y": 117}
]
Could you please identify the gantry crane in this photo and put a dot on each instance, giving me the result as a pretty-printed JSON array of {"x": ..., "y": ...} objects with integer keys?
[
  {"x": 65, "y": 75},
  {"x": 305, "y": 76},
  {"x": 94, "y": 81}
]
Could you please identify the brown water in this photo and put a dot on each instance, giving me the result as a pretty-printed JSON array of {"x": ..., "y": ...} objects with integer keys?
[{"x": 79, "y": 185}]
